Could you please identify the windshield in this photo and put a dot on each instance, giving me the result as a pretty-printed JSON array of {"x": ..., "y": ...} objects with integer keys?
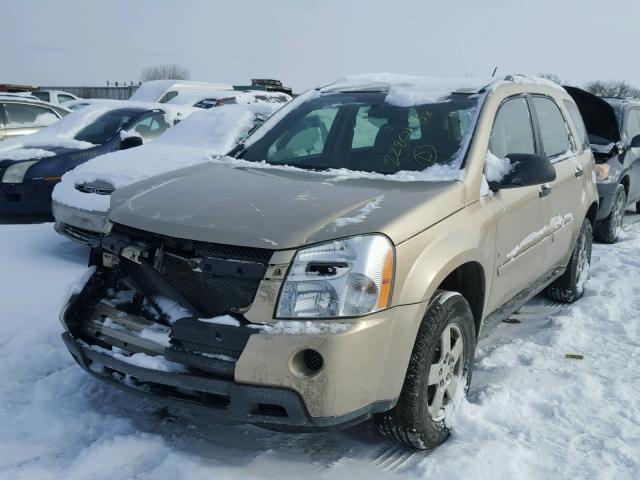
[
  {"x": 359, "y": 131},
  {"x": 106, "y": 125}
]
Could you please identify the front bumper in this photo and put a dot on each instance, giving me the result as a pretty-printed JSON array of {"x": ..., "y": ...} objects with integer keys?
[
  {"x": 607, "y": 194},
  {"x": 224, "y": 399},
  {"x": 29, "y": 197},
  {"x": 83, "y": 226},
  {"x": 364, "y": 364}
]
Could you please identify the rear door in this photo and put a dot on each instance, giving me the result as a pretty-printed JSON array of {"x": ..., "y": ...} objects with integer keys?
[
  {"x": 522, "y": 214},
  {"x": 564, "y": 197}
]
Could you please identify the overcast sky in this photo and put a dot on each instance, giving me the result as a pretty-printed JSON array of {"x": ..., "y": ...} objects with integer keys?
[{"x": 310, "y": 42}]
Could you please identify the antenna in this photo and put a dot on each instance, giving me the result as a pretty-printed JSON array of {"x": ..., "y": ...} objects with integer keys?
[{"x": 494, "y": 72}]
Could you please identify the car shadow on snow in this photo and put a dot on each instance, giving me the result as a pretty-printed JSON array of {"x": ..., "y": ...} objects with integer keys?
[{"x": 24, "y": 219}]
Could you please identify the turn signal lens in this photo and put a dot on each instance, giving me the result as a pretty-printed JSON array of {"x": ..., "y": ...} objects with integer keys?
[{"x": 602, "y": 172}]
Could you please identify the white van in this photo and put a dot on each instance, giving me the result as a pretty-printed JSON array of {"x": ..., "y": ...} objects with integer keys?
[{"x": 162, "y": 91}]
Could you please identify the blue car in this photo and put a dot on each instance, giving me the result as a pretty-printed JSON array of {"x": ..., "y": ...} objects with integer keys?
[{"x": 30, "y": 166}]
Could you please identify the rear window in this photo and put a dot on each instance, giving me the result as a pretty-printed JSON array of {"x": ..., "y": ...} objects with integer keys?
[
  {"x": 360, "y": 131},
  {"x": 44, "y": 96},
  {"x": 105, "y": 126}
]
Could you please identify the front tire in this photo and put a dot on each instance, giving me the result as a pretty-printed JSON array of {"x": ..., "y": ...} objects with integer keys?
[
  {"x": 570, "y": 286},
  {"x": 439, "y": 373},
  {"x": 608, "y": 230}
]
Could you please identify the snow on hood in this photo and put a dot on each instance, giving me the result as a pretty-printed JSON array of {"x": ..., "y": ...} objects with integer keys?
[
  {"x": 199, "y": 138},
  {"x": 61, "y": 133},
  {"x": 279, "y": 208},
  {"x": 17, "y": 154}
]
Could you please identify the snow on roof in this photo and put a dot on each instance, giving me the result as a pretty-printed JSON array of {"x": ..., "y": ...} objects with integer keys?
[
  {"x": 199, "y": 138},
  {"x": 22, "y": 96},
  {"x": 407, "y": 90},
  {"x": 153, "y": 90},
  {"x": 61, "y": 133},
  {"x": 242, "y": 96}
]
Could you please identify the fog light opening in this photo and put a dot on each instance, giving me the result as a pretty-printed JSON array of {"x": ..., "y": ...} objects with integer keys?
[{"x": 307, "y": 363}]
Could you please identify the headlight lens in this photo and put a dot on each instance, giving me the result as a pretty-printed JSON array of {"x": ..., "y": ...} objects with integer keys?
[
  {"x": 16, "y": 172},
  {"x": 342, "y": 278},
  {"x": 602, "y": 172}
]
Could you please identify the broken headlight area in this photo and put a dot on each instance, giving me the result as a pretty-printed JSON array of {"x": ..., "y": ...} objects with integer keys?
[{"x": 146, "y": 296}]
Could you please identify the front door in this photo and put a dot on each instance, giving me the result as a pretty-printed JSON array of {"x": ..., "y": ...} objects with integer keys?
[
  {"x": 522, "y": 214},
  {"x": 632, "y": 155}
]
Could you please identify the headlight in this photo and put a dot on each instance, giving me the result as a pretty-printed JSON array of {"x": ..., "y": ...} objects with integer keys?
[
  {"x": 16, "y": 172},
  {"x": 602, "y": 172},
  {"x": 342, "y": 278}
]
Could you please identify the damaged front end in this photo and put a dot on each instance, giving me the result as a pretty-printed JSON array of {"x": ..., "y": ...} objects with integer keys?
[{"x": 139, "y": 322}]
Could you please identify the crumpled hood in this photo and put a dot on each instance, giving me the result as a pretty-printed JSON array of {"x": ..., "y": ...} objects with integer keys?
[{"x": 280, "y": 208}]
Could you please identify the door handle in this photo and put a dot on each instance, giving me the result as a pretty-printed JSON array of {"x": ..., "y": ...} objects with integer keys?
[
  {"x": 544, "y": 190},
  {"x": 579, "y": 171}
]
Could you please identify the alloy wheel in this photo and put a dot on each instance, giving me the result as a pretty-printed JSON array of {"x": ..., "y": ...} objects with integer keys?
[{"x": 446, "y": 372}]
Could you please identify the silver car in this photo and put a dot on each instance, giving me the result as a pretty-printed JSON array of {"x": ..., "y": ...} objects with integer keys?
[{"x": 22, "y": 115}]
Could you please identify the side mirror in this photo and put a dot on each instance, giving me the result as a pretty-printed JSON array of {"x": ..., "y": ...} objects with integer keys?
[
  {"x": 526, "y": 170},
  {"x": 635, "y": 142},
  {"x": 130, "y": 142}
]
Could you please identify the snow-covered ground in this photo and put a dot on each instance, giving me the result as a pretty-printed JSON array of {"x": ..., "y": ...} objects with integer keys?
[{"x": 532, "y": 413}]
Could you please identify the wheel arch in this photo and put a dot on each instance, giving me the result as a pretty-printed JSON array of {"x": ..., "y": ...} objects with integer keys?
[
  {"x": 469, "y": 280},
  {"x": 592, "y": 214}
]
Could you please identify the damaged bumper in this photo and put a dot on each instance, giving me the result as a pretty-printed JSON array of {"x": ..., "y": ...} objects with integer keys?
[{"x": 292, "y": 374}]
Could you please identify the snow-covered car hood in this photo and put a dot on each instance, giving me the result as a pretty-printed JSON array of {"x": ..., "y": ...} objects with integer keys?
[
  {"x": 280, "y": 208},
  {"x": 198, "y": 138}
]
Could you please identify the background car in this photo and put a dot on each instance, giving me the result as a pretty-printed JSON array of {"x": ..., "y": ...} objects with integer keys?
[
  {"x": 30, "y": 166},
  {"x": 22, "y": 114},
  {"x": 162, "y": 91},
  {"x": 80, "y": 202},
  {"x": 201, "y": 99},
  {"x": 54, "y": 97},
  {"x": 613, "y": 127}
]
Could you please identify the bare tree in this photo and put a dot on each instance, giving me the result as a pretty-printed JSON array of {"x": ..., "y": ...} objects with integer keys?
[
  {"x": 165, "y": 72},
  {"x": 553, "y": 77},
  {"x": 612, "y": 89}
]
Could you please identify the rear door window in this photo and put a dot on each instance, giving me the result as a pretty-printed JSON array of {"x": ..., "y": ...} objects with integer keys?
[
  {"x": 512, "y": 129},
  {"x": 554, "y": 131},
  {"x": 25, "y": 115},
  {"x": 150, "y": 126}
]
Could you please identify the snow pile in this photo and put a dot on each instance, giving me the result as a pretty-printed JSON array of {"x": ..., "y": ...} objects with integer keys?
[
  {"x": 361, "y": 214},
  {"x": 197, "y": 139},
  {"x": 407, "y": 90},
  {"x": 222, "y": 320},
  {"x": 25, "y": 154},
  {"x": 495, "y": 168},
  {"x": 531, "y": 412}
]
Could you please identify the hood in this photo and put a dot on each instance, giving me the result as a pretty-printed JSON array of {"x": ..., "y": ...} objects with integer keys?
[
  {"x": 32, "y": 152},
  {"x": 280, "y": 208},
  {"x": 599, "y": 116}
]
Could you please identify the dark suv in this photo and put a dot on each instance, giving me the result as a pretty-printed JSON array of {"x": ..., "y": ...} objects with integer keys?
[{"x": 613, "y": 125}]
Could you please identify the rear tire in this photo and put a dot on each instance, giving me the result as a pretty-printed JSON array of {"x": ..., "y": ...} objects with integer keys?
[
  {"x": 570, "y": 286},
  {"x": 437, "y": 375},
  {"x": 608, "y": 230}
]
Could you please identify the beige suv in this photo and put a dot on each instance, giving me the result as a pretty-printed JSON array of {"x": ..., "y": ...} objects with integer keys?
[{"x": 344, "y": 262}]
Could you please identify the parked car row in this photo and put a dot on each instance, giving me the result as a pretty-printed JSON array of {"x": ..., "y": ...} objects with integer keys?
[{"x": 342, "y": 260}]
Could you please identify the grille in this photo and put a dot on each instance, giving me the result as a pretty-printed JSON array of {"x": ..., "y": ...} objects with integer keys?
[{"x": 225, "y": 278}]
